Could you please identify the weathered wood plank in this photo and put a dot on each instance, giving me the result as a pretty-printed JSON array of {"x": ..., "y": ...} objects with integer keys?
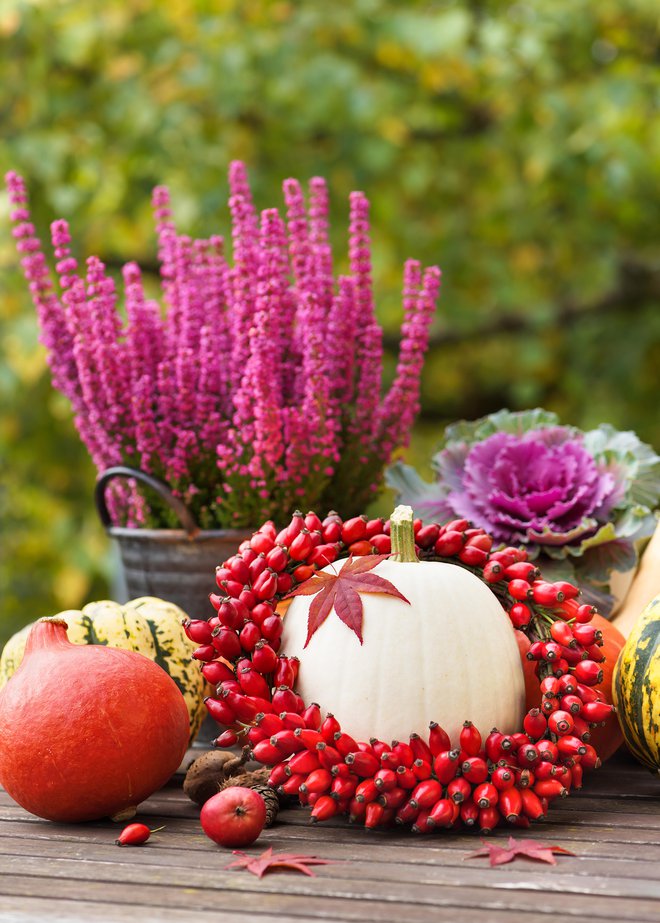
[
  {"x": 183, "y": 849},
  {"x": 616, "y": 831},
  {"x": 582, "y": 874},
  {"x": 648, "y": 807},
  {"x": 28, "y": 909},
  {"x": 184, "y": 837},
  {"x": 326, "y": 898}
]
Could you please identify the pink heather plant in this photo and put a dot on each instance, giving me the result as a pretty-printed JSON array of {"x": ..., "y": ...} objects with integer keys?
[{"x": 256, "y": 388}]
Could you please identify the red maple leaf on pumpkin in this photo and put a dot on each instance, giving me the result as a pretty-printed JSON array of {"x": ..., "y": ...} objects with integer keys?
[
  {"x": 342, "y": 591},
  {"x": 528, "y": 849},
  {"x": 268, "y": 861}
]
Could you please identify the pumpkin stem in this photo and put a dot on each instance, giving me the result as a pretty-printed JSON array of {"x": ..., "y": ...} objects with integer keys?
[
  {"x": 47, "y": 632},
  {"x": 402, "y": 535}
]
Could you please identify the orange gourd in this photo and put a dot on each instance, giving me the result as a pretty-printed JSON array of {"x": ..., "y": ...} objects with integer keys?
[
  {"x": 608, "y": 738},
  {"x": 87, "y": 731}
]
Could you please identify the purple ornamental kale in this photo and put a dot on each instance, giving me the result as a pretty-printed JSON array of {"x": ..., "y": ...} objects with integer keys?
[
  {"x": 541, "y": 487},
  {"x": 577, "y": 501}
]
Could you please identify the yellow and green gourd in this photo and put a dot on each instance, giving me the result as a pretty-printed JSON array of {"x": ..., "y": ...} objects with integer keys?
[
  {"x": 148, "y": 625},
  {"x": 636, "y": 688}
]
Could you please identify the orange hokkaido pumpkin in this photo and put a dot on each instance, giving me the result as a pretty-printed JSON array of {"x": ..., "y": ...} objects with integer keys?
[
  {"x": 87, "y": 731},
  {"x": 608, "y": 738}
]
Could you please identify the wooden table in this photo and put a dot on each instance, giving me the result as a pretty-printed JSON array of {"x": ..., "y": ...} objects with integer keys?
[{"x": 60, "y": 872}]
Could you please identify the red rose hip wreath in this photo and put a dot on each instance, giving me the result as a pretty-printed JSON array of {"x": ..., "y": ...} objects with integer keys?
[{"x": 372, "y": 665}]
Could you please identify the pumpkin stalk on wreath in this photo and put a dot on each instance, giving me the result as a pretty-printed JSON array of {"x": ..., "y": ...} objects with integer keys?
[{"x": 393, "y": 690}]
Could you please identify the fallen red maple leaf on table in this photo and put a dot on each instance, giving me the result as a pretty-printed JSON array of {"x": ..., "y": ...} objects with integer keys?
[
  {"x": 269, "y": 860},
  {"x": 528, "y": 849},
  {"x": 342, "y": 590}
]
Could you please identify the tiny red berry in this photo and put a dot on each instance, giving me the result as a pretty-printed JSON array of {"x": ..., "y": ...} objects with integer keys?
[
  {"x": 588, "y": 673},
  {"x": 135, "y": 835},
  {"x": 520, "y": 615},
  {"x": 510, "y": 804},
  {"x": 521, "y": 570},
  {"x": 475, "y": 769},
  {"x": 520, "y": 589},
  {"x": 354, "y": 530},
  {"x": 449, "y": 543},
  {"x": 438, "y": 739},
  {"x": 562, "y": 633},
  {"x": 470, "y": 739},
  {"x": 535, "y": 723},
  {"x": 561, "y": 722}
]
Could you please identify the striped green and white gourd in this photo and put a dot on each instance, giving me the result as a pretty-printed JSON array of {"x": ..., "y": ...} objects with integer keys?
[
  {"x": 148, "y": 625},
  {"x": 636, "y": 688}
]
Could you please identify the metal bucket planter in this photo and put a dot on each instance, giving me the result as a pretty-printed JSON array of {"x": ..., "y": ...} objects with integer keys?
[{"x": 174, "y": 564}]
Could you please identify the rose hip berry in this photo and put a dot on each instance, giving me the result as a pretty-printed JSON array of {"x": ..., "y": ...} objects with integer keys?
[{"x": 135, "y": 835}]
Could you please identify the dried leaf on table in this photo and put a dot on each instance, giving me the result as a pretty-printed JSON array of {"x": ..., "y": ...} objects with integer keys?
[
  {"x": 268, "y": 861},
  {"x": 527, "y": 849}
]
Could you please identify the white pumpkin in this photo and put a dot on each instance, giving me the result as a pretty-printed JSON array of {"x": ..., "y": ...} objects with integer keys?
[{"x": 449, "y": 656}]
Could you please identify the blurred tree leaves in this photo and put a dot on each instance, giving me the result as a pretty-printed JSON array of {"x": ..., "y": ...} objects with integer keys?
[{"x": 516, "y": 144}]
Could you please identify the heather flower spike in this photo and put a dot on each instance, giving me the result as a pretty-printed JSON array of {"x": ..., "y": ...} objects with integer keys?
[{"x": 255, "y": 387}]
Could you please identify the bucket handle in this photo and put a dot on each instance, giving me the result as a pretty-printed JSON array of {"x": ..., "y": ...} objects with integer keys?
[{"x": 163, "y": 491}]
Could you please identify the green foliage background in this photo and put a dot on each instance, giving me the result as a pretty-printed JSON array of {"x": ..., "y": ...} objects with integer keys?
[{"x": 516, "y": 144}]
